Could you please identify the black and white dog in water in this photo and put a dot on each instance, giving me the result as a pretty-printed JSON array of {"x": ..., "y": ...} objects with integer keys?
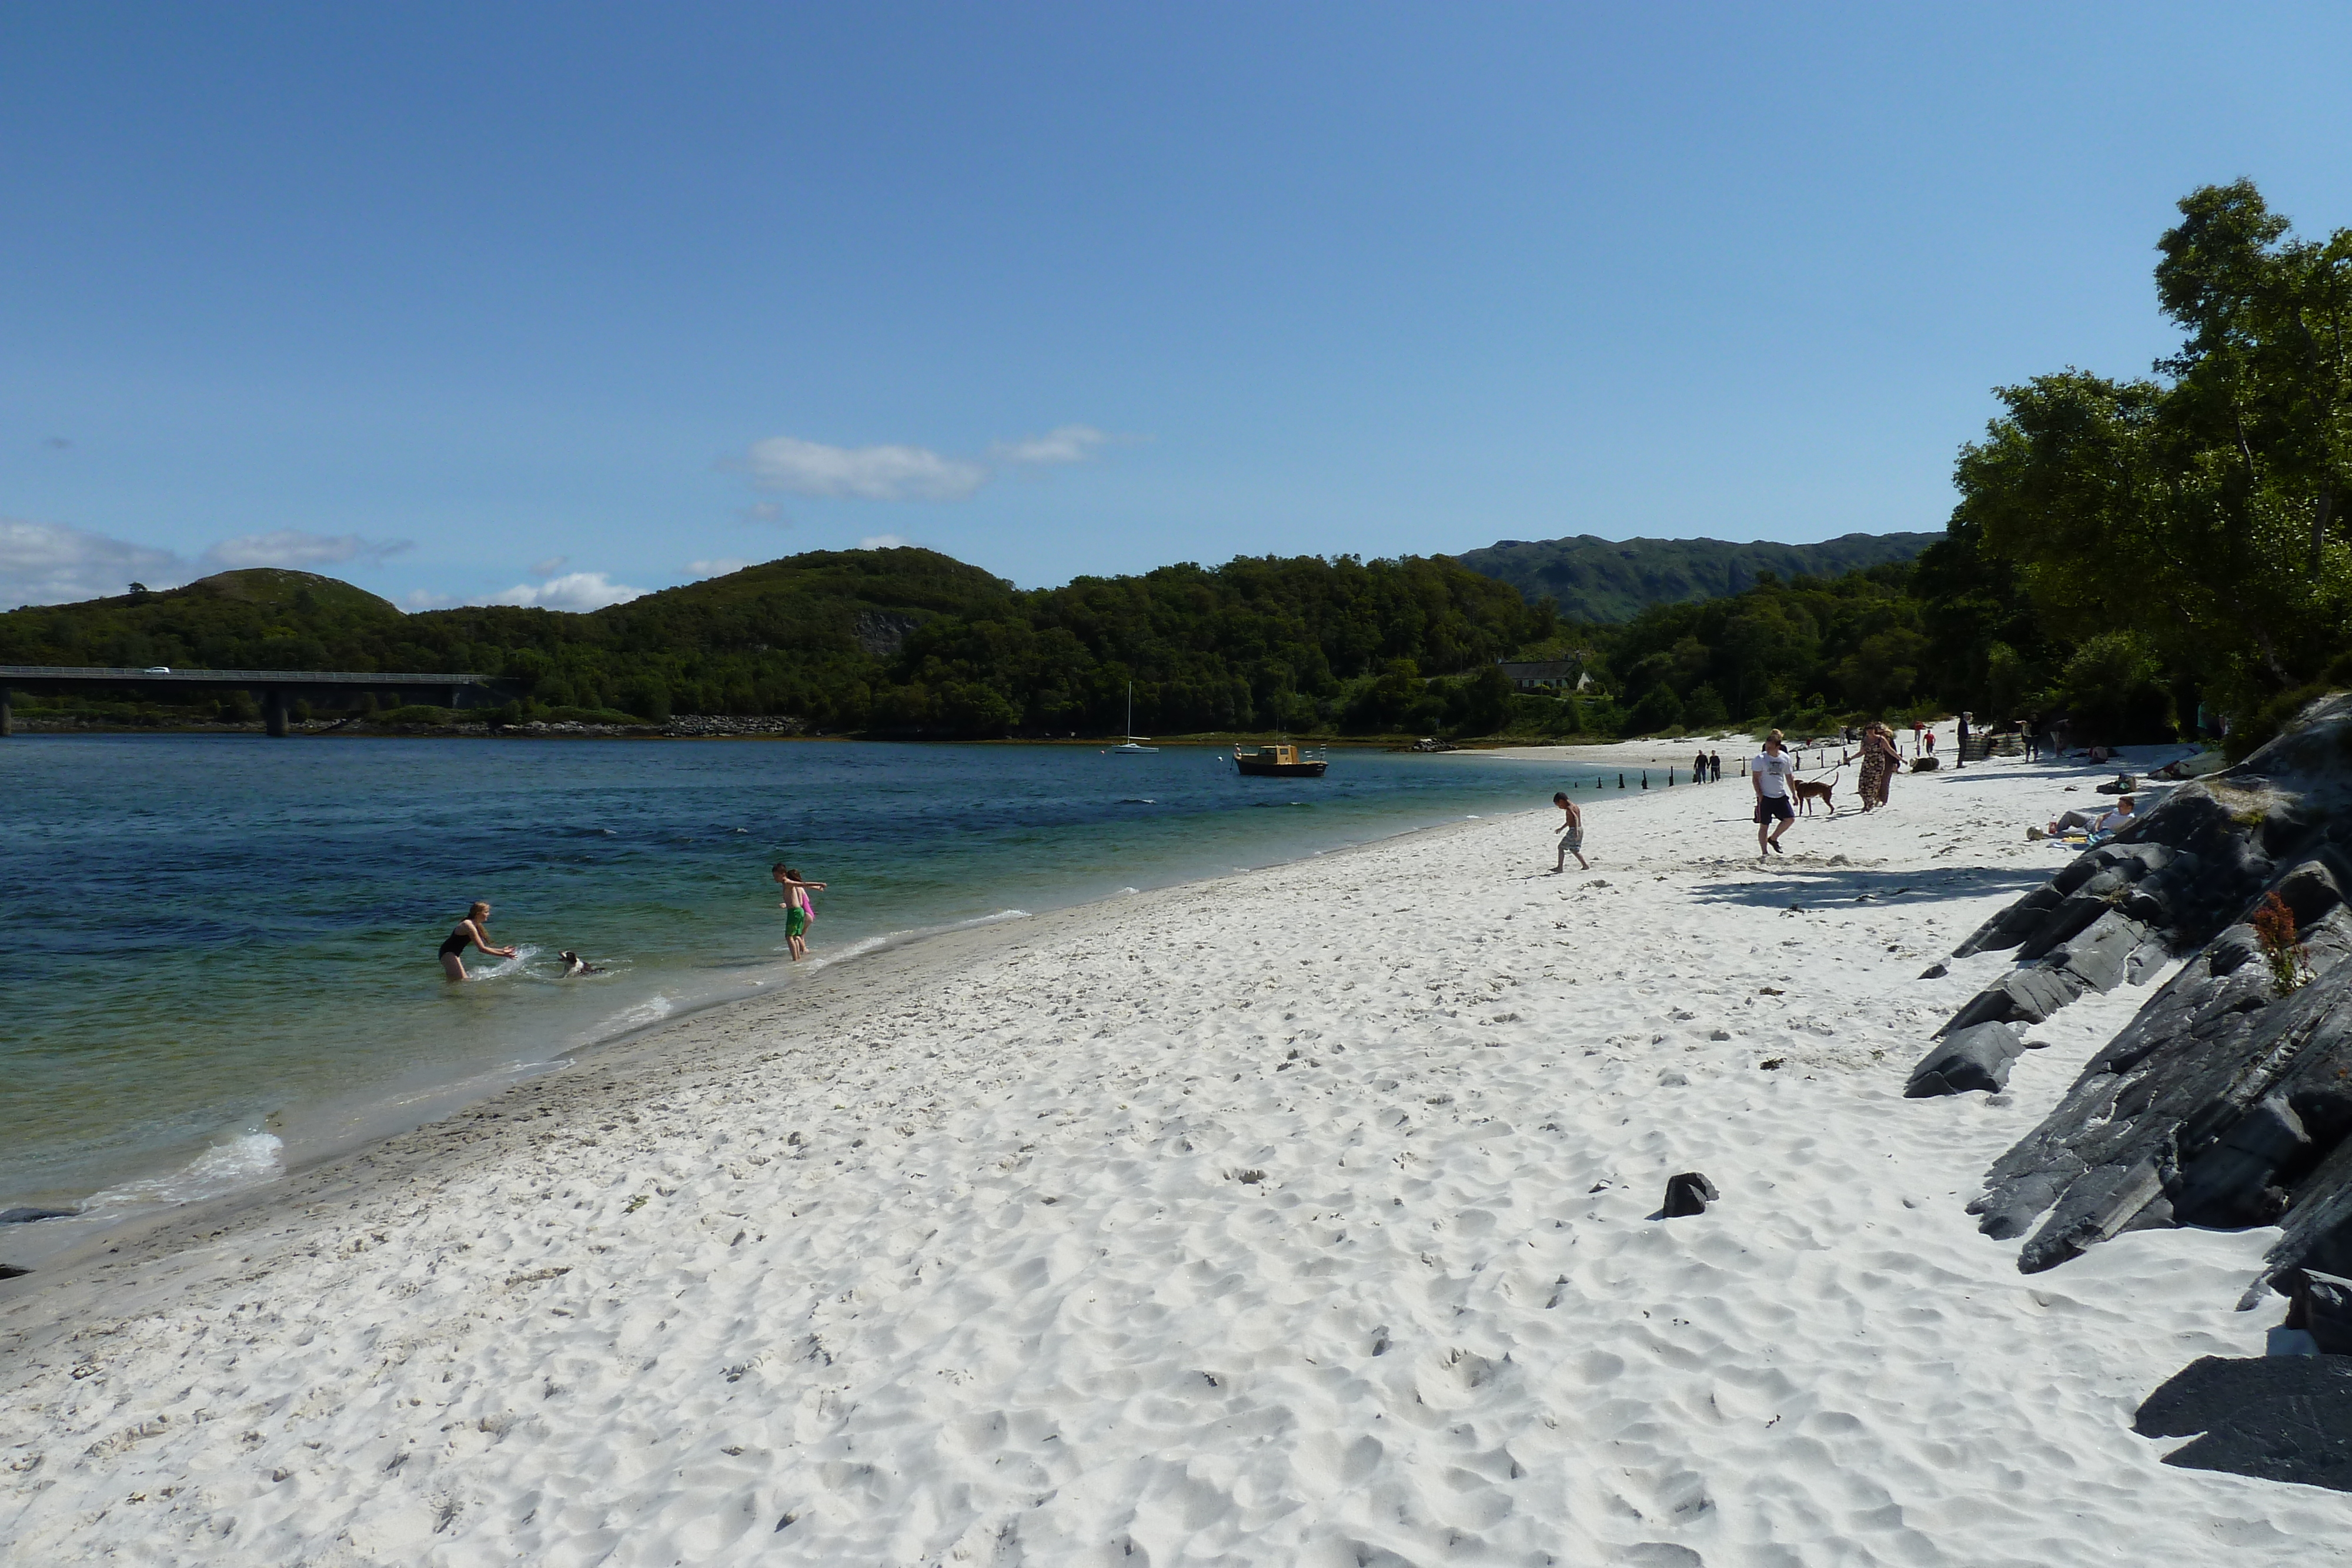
[{"x": 573, "y": 964}]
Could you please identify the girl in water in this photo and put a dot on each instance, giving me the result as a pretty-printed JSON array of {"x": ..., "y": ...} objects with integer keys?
[{"x": 470, "y": 934}]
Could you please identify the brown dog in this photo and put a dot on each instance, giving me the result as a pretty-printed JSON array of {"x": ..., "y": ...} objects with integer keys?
[{"x": 1809, "y": 793}]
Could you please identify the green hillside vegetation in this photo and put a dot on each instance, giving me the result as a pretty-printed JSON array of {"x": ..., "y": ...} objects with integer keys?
[
  {"x": 897, "y": 641},
  {"x": 1604, "y": 581}
]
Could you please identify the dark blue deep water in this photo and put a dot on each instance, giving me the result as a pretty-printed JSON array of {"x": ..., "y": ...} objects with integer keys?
[{"x": 220, "y": 948}]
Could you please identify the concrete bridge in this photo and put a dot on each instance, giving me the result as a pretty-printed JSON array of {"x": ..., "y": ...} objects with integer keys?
[{"x": 276, "y": 689}]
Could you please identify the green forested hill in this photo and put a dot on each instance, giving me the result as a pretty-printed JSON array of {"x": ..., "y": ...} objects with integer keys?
[
  {"x": 1608, "y": 581},
  {"x": 904, "y": 642}
]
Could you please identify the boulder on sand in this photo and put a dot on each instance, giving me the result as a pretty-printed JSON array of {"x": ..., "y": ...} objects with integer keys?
[
  {"x": 1688, "y": 1193},
  {"x": 1978, "y": 1057}
]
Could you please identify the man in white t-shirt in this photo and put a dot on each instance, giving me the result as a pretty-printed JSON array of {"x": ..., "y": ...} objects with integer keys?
[{"x": 1770, "y": 773}]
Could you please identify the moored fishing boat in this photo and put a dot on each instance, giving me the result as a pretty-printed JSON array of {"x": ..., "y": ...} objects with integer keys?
[{"x": 1281, "y": 761}]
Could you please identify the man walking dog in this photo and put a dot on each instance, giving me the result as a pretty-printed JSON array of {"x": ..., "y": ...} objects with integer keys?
[{"x": 1769, "y": 774}]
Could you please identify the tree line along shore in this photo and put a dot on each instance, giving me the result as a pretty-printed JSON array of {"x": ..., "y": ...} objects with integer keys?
[{"x": 2152, "y": 558}]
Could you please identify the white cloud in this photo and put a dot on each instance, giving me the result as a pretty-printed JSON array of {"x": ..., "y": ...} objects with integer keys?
[
  {"x": 883, "y": 541},
  {"x": 1065, "y": 444},
  {"x": 293, "y": 548},
  {"x": 43, "y": 563},
  {"x": 866, "y": 473},
  {"x": 719, "y": 567},
  {"x": 895, "y": 473},
  {"x": 550, "y": 566},
  {"x": 572, "y": 591}
]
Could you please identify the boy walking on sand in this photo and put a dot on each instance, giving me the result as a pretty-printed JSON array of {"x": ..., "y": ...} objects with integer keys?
[
  {"x": 1768, "y": 775},
  {"x": 1571, "y": 833}
]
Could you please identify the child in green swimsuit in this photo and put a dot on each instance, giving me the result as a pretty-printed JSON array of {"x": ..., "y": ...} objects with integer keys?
[{"x": 798, "y": 909}]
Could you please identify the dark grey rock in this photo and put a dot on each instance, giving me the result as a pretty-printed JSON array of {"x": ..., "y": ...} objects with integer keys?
[
  {"x": 2322, "y": 1307},
  {"x": 10, "y": 1272},
  {"x": 2225, "y": 1103},
  {"x": 1976, "y": 1058},
  {"x": 2310, "y": 891},
  {"x": 28, "y": 1215},
  {"x": 2280, "y": 1419},
  {"x": 2233, "y": 1182},
  {"x": 2217, "y": 1100},
  {"x": 2100, "y": 953},
  {"x": 2021, "y": 995},
  {"x": 1688, "y": 1193},
  {"x": 1935, "y": 972}
]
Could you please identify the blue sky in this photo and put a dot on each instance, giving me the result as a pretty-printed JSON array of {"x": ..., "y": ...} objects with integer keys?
[{"x": 555, "y": 303}]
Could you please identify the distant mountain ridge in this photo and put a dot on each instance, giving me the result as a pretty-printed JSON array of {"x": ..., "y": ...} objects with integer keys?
[{"x": 1612, "y": 580}]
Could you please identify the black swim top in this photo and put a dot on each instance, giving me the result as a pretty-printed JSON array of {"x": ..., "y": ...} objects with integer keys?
[{"x": 457, "y": 941}]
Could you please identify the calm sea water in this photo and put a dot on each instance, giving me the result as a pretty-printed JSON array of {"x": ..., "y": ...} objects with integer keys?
[{"x": 220, "y": 948}]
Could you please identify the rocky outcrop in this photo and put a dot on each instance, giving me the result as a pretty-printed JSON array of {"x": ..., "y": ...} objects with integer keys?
[
  {"x": 882, "y": 632},
  {"x": 2227, "y": 1102},
  {"x": 2164, "y": 887}
]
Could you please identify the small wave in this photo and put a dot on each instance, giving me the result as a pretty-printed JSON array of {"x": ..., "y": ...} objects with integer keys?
[
  {"x": 1136, "y": 800},
  {"x": 244, "y": 1161},
  {"x": 864, "y": 945},
  {"x": 869, "y": 943},
  {"x": 652, "y": 1010},
  {"x": 1127, "y": 890},
  {"x": 1278, "y": 805}
]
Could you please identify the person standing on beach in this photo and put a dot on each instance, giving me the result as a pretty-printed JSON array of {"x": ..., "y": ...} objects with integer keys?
[
  {"x": 1768, "y": 774},
  {"x": 1714, "y": 767},
  {"x": 1880, "y": 758},
  {"x": 798, "y": 907},
  {"x": 1698, "y": 769},
  {"x": 469, "y": 932},
  {"x": 1571, "y": 834}
]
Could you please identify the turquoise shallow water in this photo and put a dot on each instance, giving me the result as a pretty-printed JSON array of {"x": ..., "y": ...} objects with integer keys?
[{"x": 221, "y": 946}]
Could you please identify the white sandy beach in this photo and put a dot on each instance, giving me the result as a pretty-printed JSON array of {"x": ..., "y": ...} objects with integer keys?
[{"x": 1295, "y": 1218}]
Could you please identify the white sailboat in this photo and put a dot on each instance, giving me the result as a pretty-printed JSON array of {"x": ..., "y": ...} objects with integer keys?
[{"x": 1131, "y": 749}]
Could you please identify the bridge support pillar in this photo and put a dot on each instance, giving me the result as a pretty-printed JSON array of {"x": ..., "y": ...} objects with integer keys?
[
  {"x": 7, "y": 715},
  {"x": 273, "y": 712}
]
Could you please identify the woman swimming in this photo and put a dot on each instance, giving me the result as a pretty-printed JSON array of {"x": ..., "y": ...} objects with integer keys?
[{"x": 470, "y": 934}]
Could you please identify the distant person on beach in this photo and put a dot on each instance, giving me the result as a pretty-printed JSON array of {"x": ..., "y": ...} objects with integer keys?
[
  {"x": 1571, "y": 834},
  {"x": 1714, "y": 767},
  {"x": 1768, "y": 774},
  {"x": 1880, "y": 758},
  {"x": 1698, "y": 769},
  {"x": 799, "y": 909},
  {"x": 469, "y": 933}
]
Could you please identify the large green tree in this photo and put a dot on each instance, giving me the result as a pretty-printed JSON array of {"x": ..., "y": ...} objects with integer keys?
[{"x": 2199, "y": 510}]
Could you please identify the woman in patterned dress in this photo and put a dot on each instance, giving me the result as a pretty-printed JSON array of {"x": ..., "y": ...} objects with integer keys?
[{"x": 1878, "y": 763}]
